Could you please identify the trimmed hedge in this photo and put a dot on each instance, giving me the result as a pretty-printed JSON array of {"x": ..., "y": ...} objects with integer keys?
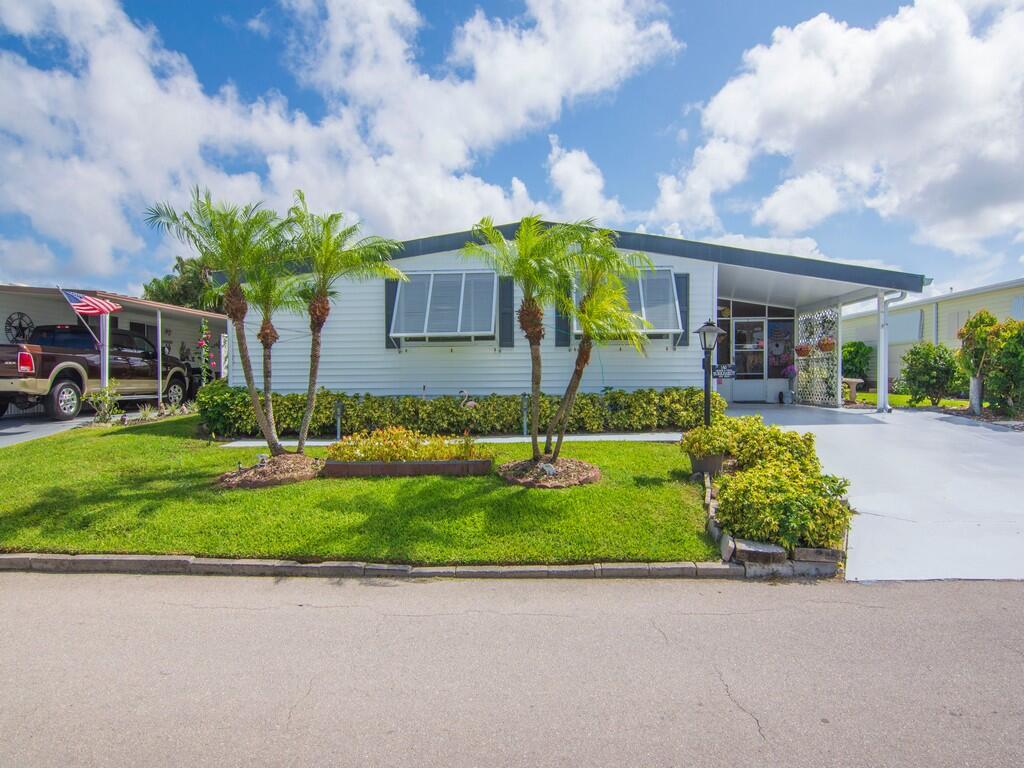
[{"x": 226, "y": 411}]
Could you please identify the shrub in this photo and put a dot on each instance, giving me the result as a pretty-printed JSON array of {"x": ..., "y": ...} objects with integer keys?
[
  {"x": 1004, "y": 384},
  {"x": 754, "y": 443},
  {"x": 977, "y": 342},
  {"x": 707, "y": 441},
  {"x": 104, "y": 401},
  {"x": 227, "y": 411},
  {"x": 778, "y": 502},
  {"x": 856, "y": 359},
  {"x": 930, "y": 372},
  {"x": 401, "y": 444}
]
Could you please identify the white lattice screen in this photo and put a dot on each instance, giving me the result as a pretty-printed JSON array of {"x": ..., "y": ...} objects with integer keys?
[{"x": 817, "y": 380}]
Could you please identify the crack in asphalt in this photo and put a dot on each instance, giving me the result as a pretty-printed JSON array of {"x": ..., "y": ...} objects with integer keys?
[
  {"x": 295, "y": 704},
  {"x": 660, "y": 630},
  {"x": 751, "y": 715}
]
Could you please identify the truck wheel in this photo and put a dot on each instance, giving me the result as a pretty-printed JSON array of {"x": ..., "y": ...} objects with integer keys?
[
  {"x": 64, "y": 401},
  {"x": 175, "y": 394}
]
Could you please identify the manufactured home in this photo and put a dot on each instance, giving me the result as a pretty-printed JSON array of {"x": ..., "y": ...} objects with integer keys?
[{"x": 453, "y": 326}]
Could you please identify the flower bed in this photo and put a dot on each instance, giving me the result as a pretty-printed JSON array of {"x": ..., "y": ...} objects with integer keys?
[{"x": 400, "y": 452}]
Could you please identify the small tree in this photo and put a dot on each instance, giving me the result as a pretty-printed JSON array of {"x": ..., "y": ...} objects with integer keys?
[
  {"x": 329, "y": 252},
  {"x": 596, "y": 301},
  {"x": 929, "y": 371},
  {"x": 228, "y": 239},
  {"x": 1005, "y": 379},
  {"x": 270, "y": 288},
  {"x": 856, "y": 360},
  {"x": 976, "y": 347},
  {"x": 534, "y": 259}
]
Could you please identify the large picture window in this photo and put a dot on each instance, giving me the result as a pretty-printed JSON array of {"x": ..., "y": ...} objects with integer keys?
[{"x": 445, "y": 305}]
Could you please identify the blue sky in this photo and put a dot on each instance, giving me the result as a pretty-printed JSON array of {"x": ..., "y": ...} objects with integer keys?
[{"x": 856, "y": 131}]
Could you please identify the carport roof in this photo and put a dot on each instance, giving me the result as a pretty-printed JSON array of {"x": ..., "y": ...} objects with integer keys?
[{"x": 125, "y": 301}]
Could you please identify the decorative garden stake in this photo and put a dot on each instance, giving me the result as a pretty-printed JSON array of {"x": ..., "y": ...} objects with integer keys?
[{"x": 708, "y": 334}]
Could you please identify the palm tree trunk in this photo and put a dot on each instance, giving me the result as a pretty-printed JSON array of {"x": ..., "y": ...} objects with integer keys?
[
  {"x": 582, "y": 359},
  {"x": 535, "y": 400},
  {"x": 250, "y": 385},
  {"x": 267, "y": 336},
  {"x": 314, "y": 369}
]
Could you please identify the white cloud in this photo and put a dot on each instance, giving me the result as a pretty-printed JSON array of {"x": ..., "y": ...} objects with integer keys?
[
  {"x": 25, "y": 259},
  {"x": 258, "y": 24},
  {"x": 799, "y": 203},
  {"x": 123, "y": 121},
  {"x": 920, "y": 117},
  {"x": 580, "y": 186}
]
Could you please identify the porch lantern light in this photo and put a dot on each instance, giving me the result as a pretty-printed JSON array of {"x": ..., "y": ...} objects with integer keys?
[{"x": 708, "y": 335}]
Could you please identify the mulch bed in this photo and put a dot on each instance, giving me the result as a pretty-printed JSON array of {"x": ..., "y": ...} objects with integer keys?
[
  {"x": 277, "y": 470},
  {"x": 570, "y": 472}
]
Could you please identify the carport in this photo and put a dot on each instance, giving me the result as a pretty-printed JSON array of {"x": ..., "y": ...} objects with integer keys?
[{"x": 172, "y": 330}]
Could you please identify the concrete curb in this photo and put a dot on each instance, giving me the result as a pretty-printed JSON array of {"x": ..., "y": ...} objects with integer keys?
[{"x": 186, "y": 565}]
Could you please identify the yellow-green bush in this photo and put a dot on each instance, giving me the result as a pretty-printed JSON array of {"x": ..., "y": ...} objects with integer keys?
[
  {"x": 754, "y": 443},
  {"x": 401, "y": 444},
  {"x": 779, "y": 502}
]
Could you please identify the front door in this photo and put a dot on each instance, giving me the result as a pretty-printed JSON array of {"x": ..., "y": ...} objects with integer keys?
[{"x": 748, "y": 353}]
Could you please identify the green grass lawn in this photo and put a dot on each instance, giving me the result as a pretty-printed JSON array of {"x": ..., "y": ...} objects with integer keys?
[
  {"x": 149, "y": 489},
  {"x": 903, "y": 401}
]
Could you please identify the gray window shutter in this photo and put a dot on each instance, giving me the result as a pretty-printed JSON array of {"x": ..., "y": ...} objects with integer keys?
[
  {"x": 683, "y": 299},
  {"x": 390, "y": 296},
  {"x": 562, "y": 333},
  {"x": 506, "y": 312}
]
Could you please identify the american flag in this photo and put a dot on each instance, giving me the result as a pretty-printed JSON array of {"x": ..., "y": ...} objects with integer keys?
[{"x": 89, "y": 305}]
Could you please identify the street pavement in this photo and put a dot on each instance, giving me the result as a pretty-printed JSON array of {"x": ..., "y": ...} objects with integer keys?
[{"x": 186, "y": 671}]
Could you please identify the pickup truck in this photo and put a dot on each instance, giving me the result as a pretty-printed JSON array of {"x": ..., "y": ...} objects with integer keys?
[{"x": 59, "y": 364}]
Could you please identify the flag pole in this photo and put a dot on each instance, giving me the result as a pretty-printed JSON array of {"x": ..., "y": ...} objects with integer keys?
[{"x": 80, "y": 318}]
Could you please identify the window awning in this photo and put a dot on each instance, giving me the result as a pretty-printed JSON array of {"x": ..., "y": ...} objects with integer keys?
[{"x": 445, "y": 304}]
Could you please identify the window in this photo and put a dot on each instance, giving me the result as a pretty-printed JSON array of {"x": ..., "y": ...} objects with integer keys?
[
  {"x": 445, "y": 305},
  {"x": 653, "y": 297}
]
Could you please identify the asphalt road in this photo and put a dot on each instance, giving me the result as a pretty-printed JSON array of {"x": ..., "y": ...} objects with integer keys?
[{"x": 128, "y": 670}]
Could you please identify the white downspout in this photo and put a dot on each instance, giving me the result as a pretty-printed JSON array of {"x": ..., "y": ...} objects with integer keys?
[{"x": 883, "y": 347}]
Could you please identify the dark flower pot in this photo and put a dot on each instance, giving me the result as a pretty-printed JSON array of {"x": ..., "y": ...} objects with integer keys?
[{"x": 710, "y": 464}]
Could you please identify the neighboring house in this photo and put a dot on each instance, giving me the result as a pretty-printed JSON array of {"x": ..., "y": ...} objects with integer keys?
[
  {"x": 453, "y": 325},
  {"x": 936, "y": 319}
]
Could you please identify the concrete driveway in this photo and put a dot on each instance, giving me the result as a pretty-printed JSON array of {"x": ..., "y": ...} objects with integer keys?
[
  {"x": 938, "y": 497},
  {"x": 18, "y": 429}
]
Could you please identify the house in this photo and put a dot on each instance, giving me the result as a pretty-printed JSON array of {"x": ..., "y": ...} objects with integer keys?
[
  {"x": 936, "y": 319},
  {"x": 453, "y": 327},
  {"x": 23, "y": 308}
]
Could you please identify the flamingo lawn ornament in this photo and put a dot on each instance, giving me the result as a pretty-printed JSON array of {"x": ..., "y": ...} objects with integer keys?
[{"x": 466, "y": 402}]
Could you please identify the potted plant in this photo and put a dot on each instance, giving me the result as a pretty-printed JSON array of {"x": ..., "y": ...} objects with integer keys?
[
  {"x": 827, "y": 343},
  {"x": 802, "y": 350},
  {"x": 707, "y": 447}
]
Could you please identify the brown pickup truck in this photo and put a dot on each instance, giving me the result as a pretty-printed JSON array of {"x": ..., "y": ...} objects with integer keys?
[{"x": 59, "y": 364}]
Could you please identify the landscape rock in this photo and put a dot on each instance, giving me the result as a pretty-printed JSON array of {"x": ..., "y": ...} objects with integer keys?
[
  {"x": 748, "y": 551},
  {"x": 818, "y": 554}
]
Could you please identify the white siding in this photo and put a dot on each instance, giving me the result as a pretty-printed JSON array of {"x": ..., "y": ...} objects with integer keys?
[{"x": 355, "y": 360}]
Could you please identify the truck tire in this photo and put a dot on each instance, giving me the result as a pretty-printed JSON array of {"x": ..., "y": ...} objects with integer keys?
[
  {"x": 176, "y": 391},
  {"x": 64, "y": 401}
]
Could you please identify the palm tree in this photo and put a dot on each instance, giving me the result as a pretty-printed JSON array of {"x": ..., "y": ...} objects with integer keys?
[
  {"x": 331, "y": 251},
  {"x": 270, "y": 287},
  {"x": 534, "y": 259},
  {"x": 230, "y": 240},
  {"x": 599, "y": 309}
]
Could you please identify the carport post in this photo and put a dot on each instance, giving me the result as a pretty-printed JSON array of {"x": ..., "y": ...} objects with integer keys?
[
  {"x": 159, "y": 358},
  {"x": 104, "y": 350},
  {"x": 883, "y": 354}
]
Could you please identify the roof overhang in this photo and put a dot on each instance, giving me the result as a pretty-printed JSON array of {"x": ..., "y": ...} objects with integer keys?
[{"x": 792, "y": 280}]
